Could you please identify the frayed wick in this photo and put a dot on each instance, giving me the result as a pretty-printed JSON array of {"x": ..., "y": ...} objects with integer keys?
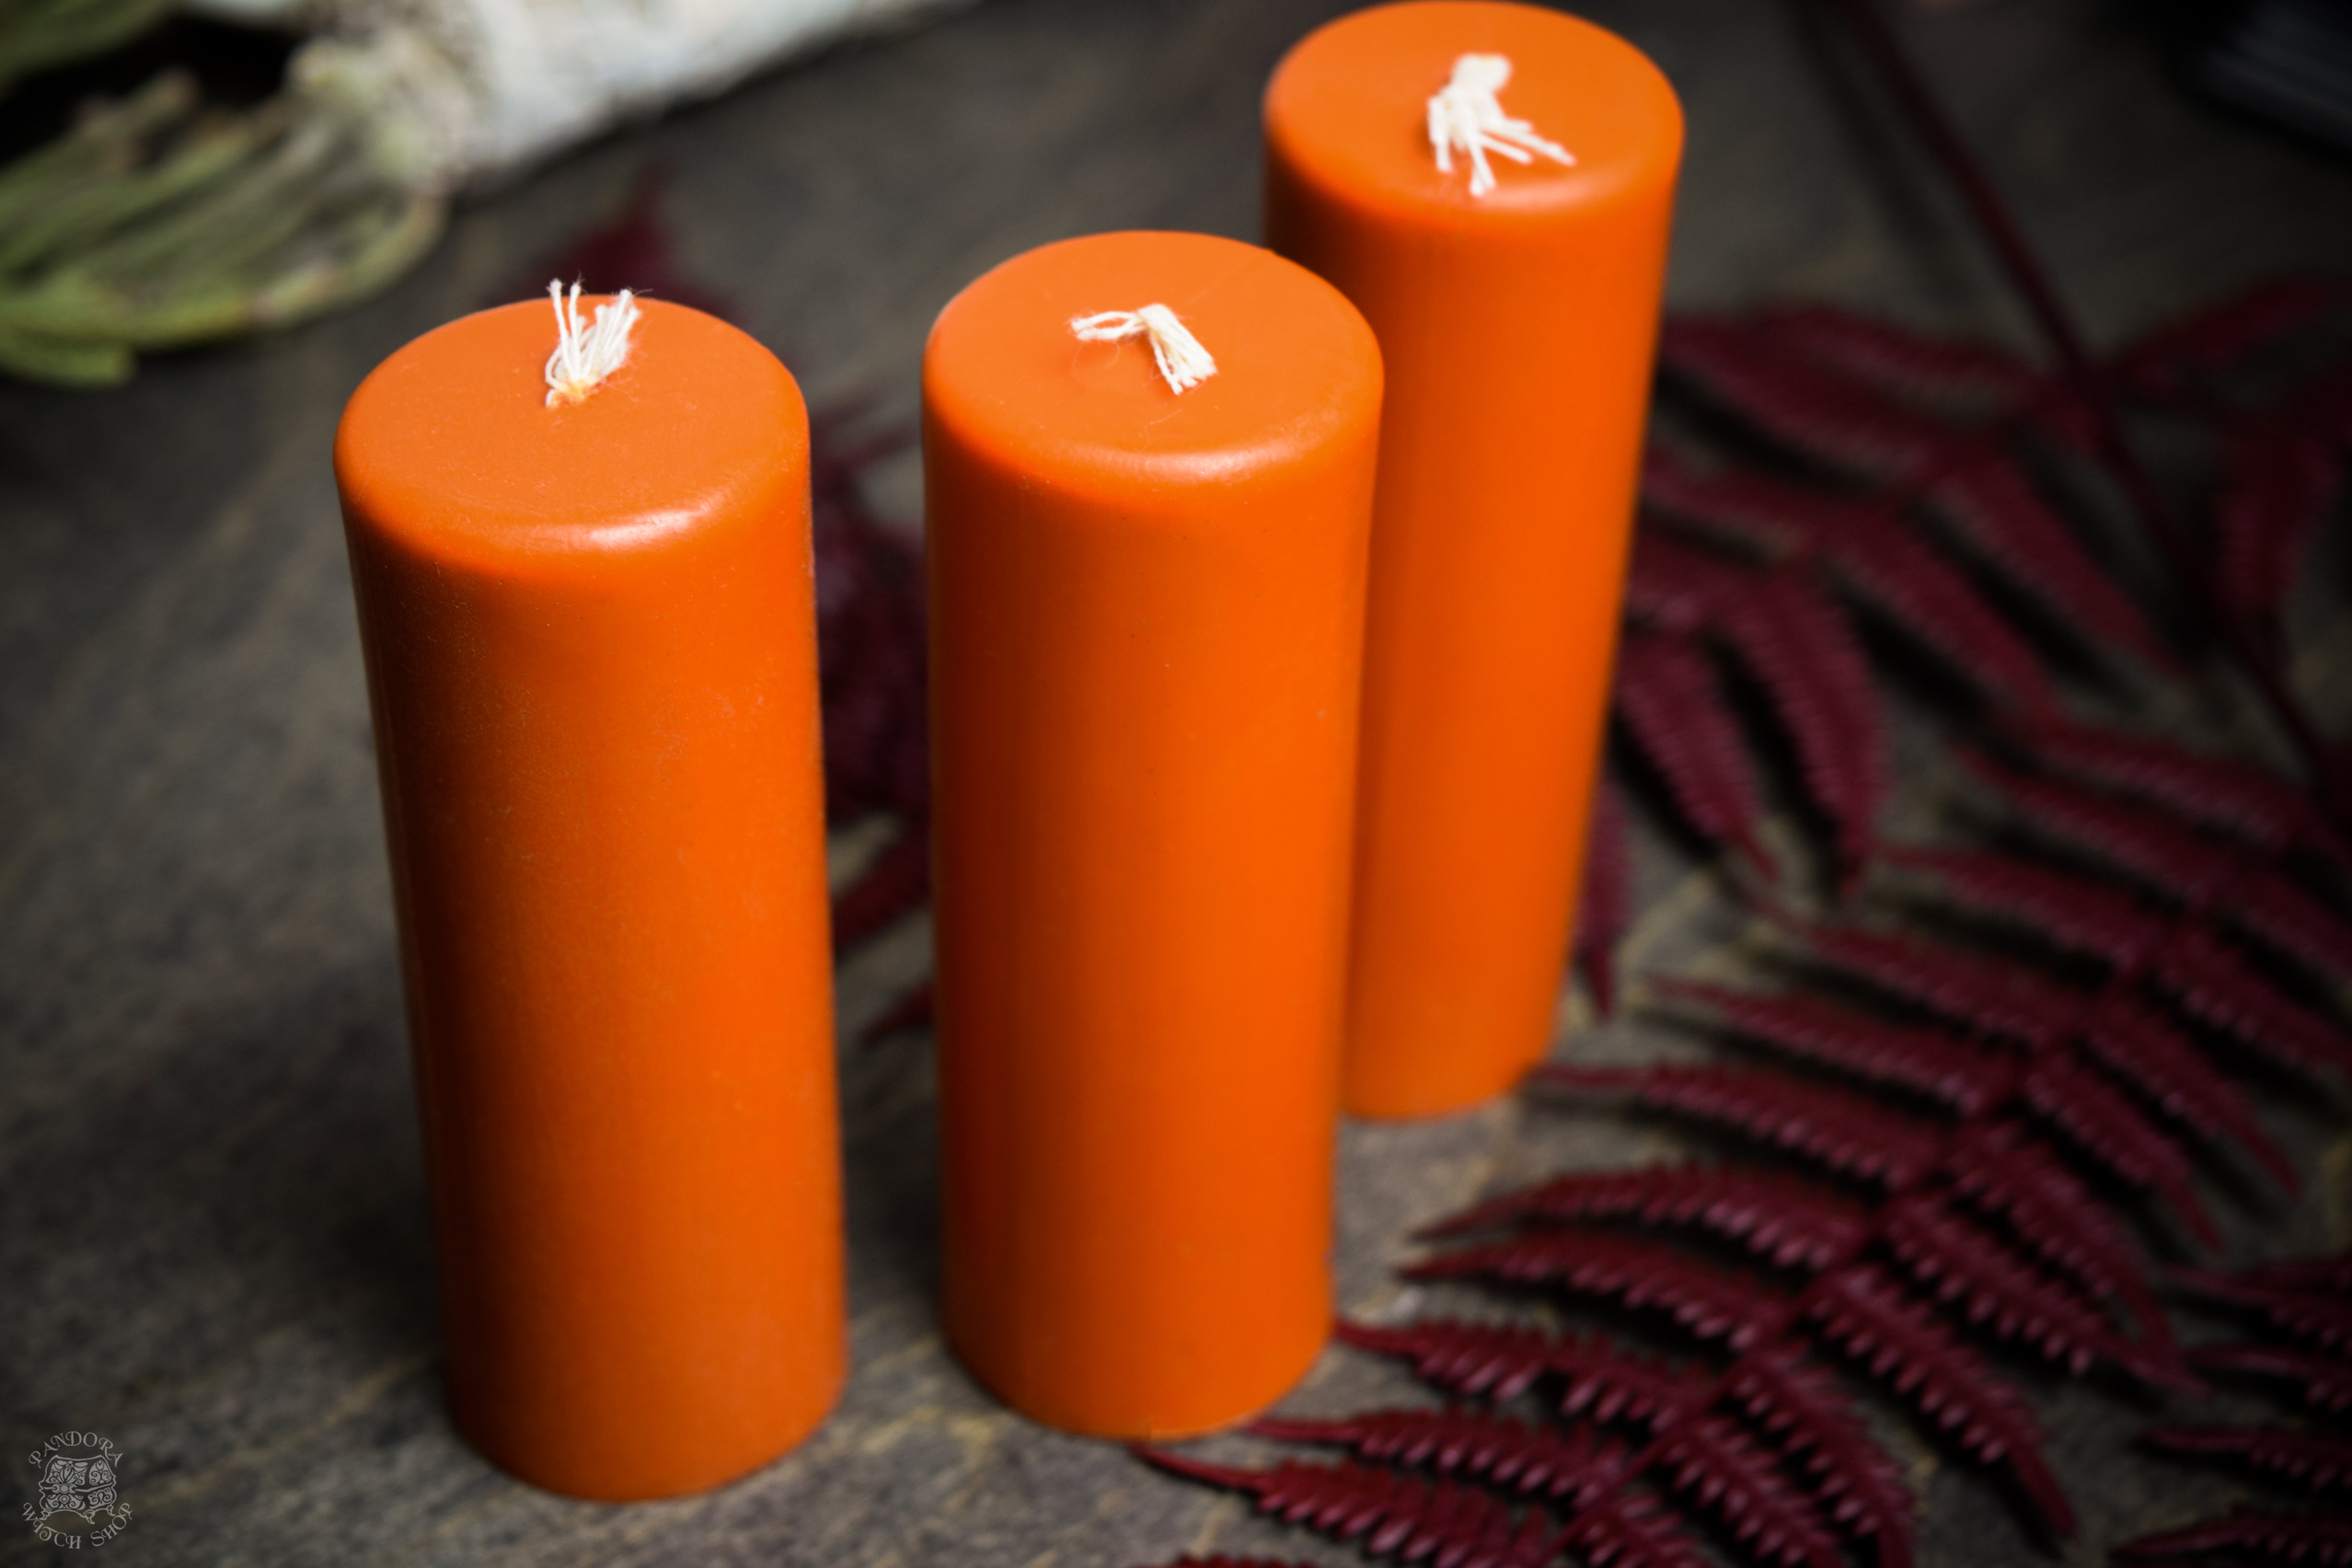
[
  {"x": 1184, "y": 363},
  {"x": 1466, "y": 116},
  {"x": 586, "y": 353}
]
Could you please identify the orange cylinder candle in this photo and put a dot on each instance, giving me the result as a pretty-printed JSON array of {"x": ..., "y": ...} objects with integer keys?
[
  {"x": 591, "y": 645},
  {"x": 1146, "y": 633},
  {"x": 1515, "y": 296}
]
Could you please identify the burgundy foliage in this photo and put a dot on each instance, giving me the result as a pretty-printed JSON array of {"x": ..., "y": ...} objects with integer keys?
[
  {"x": 1786, "y": 1222},
  {"x": 1847, "y": 1134},
  {"x": 1391, "y": 1515},
  {"x": 2315, "y": 1539},
  {"x": 1576, "y": 1466},
  {"x": 1604, "y": 908}
]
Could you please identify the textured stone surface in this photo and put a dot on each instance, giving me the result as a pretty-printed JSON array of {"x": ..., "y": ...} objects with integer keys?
[{"x": 212, "y": 1244}]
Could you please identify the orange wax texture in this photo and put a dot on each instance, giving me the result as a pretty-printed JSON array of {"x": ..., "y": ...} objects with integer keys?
[
  {"x": 1146, "y": 634},
  {"x": 591, "y": 654},
  {"x": 1518, "y": 329}
]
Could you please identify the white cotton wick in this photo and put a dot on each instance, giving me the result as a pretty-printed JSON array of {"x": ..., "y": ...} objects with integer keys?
[
  {"x": 585, "y": 356},
  {"x": 1178, "y": 354},
  {"x": 1466, "y": 116}
]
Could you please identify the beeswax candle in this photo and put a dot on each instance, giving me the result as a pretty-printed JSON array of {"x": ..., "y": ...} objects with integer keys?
[
  {"x": 1145, "y": 627},
  {"x": 591, "y": 649},
  {"x": 1519, "y": 323}
]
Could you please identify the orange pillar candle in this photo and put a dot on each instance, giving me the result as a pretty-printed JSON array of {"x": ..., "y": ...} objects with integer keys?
[
  {"x": 591, "y": 645},
  {"x": 1146, "y": 631},
  {"x": 1518, "y": 325}
]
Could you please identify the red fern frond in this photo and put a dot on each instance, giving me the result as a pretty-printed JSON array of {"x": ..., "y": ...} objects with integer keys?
[
  {"x": 1798, "y": 1408},
  {"x": 1809, "y": 410},
  {"x": 2248, "y": 802},
  {"x": 1572, "y": 1468},
  {"x": 2312, "y": 1540},
  {"x": 2330, "y": 1274},
  {"x": 2109, "y": 1130},
  {"x": 1790, "y": 1223},
  {"x": 2321, "y": 1381},
  {"x": 2212, "y": 984},
  {"x": 1603, "y": 909},
  {"x": 1391, "y": 1515},
  {"x": 1765, "y": 516},
  {"x": 2169, "y": 857},
  {"x": 894, "y": 885},
  {"x": 1846, "y": 1133},
  {"x": 2143, "y": 1048},
  {"x": 1864, "y": 1315},
  {"x": 2280, "y": 486},
  {"x": 1818, "y": 683},
  {"x": 1704, "y": 1302},
  {"x": 1901, "y": 360},
  {"x": 1631, "y": 1531},
  {"x": 1221, "y": 1560},
  {"x": 2003, "y": 1173},
  {"x": 2271, "y": 908},
  {"x": 1716, "y": 1465},
  {"x": 1924, "y": 1061},
  {"x": 2315, "y": 1461},
  {"x": 1998, "y": 510},
  {"x": 1499, "y": 1360},
  {"x": 1964, "y": 1268},
  {"x": 1992, "y": 998},
  {"x": 2169, "y": 359},
  {"x": 2324, "y": 1322},
  {"x": 2070, "y": 911},
  {"x": 1673, "y": 708},
  {"x": 1676, "y": 589}
]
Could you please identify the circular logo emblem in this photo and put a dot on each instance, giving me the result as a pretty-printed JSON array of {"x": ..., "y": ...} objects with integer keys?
[{"x": 77, "y": 1503}]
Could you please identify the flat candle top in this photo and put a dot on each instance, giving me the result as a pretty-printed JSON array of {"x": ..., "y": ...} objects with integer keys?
[
  {"x": 1297, "y": 366},
  {"x": 451, "y": 438},
  {"x": 1349, "y": 106}
]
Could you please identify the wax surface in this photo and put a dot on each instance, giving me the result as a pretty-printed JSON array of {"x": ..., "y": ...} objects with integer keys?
[
  {"x": 592, "y": 657},
  {"x": 1518, "y": 329},
  {"x": 1146, "y": 628}
]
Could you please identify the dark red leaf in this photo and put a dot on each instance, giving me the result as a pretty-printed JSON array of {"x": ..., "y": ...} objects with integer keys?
[
  {"x": 2003, "y": 1173},
  {"x": 1630, "y": 1531},
  {"x": 1995, "y": 999},
  {"x": 1924, "y": 1061},
  {"x": 1814, "y": 676},
  {"x": 1705, "y": 1302},
  {"x": 2316, "y": 1540},
  {"x": 1811, "y": 410},
  {"x": 2322, "y": 1382},
  {"x": 1677, "y": 590},
  {"x": 2213, "y": 336},
  {"x": 1712, "y": 1463},
  {"x": 1800, "y": 1409},
  {"x": 1603, "y": 909},
  {"x": 2243, "y": 801},
  {"x": 1221, "y": 1561},
  {"x": 1847, "y": 1133},
  {"x": 2143, "y": 1048},
  {"x": 1998, "y": 510},
  {"x": 1500, "y": 1361},
  {"x": 1900, "y": 360},
  {"x": 1969, "y": 1269},
  {"x": 2213, "y": 984},
  {"x": 1878, "y": 559},
  {"x": 1862, "y": 1313},
  {"x": 2188, "y": 866},
  {"x": 2315, "y": 1461},
  {"x": 1672, "y": 709},
  {"x": 2324, "y": 1321},
  {"x": 2324, "y": 1275},
  {"x": 2075, "y": 914},
  {"x": 2107, "y": 1128},
  {"x": 1391, "y": 1515},
  {"x": 1785, "y": 1221},
  {"x": 1570, "y": 1467},
  {"x": 894, "y": 885}
]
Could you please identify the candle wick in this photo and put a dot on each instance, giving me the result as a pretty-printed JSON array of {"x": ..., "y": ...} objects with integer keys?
[
  {"x": 585, "y": 356},
  {"x": 1182, "y": 362},
  {"x": 1464, "y": 115}
]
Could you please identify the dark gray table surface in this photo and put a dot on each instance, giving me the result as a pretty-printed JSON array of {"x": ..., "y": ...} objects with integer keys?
[{"x": 213, "y": 1240}]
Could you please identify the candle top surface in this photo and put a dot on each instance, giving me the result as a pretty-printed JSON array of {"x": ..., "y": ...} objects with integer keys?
[
  {"x": 1349, "y": 106},
  {"x": 1297, "y": 366},
  {"x": 452, "y": 440}
]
